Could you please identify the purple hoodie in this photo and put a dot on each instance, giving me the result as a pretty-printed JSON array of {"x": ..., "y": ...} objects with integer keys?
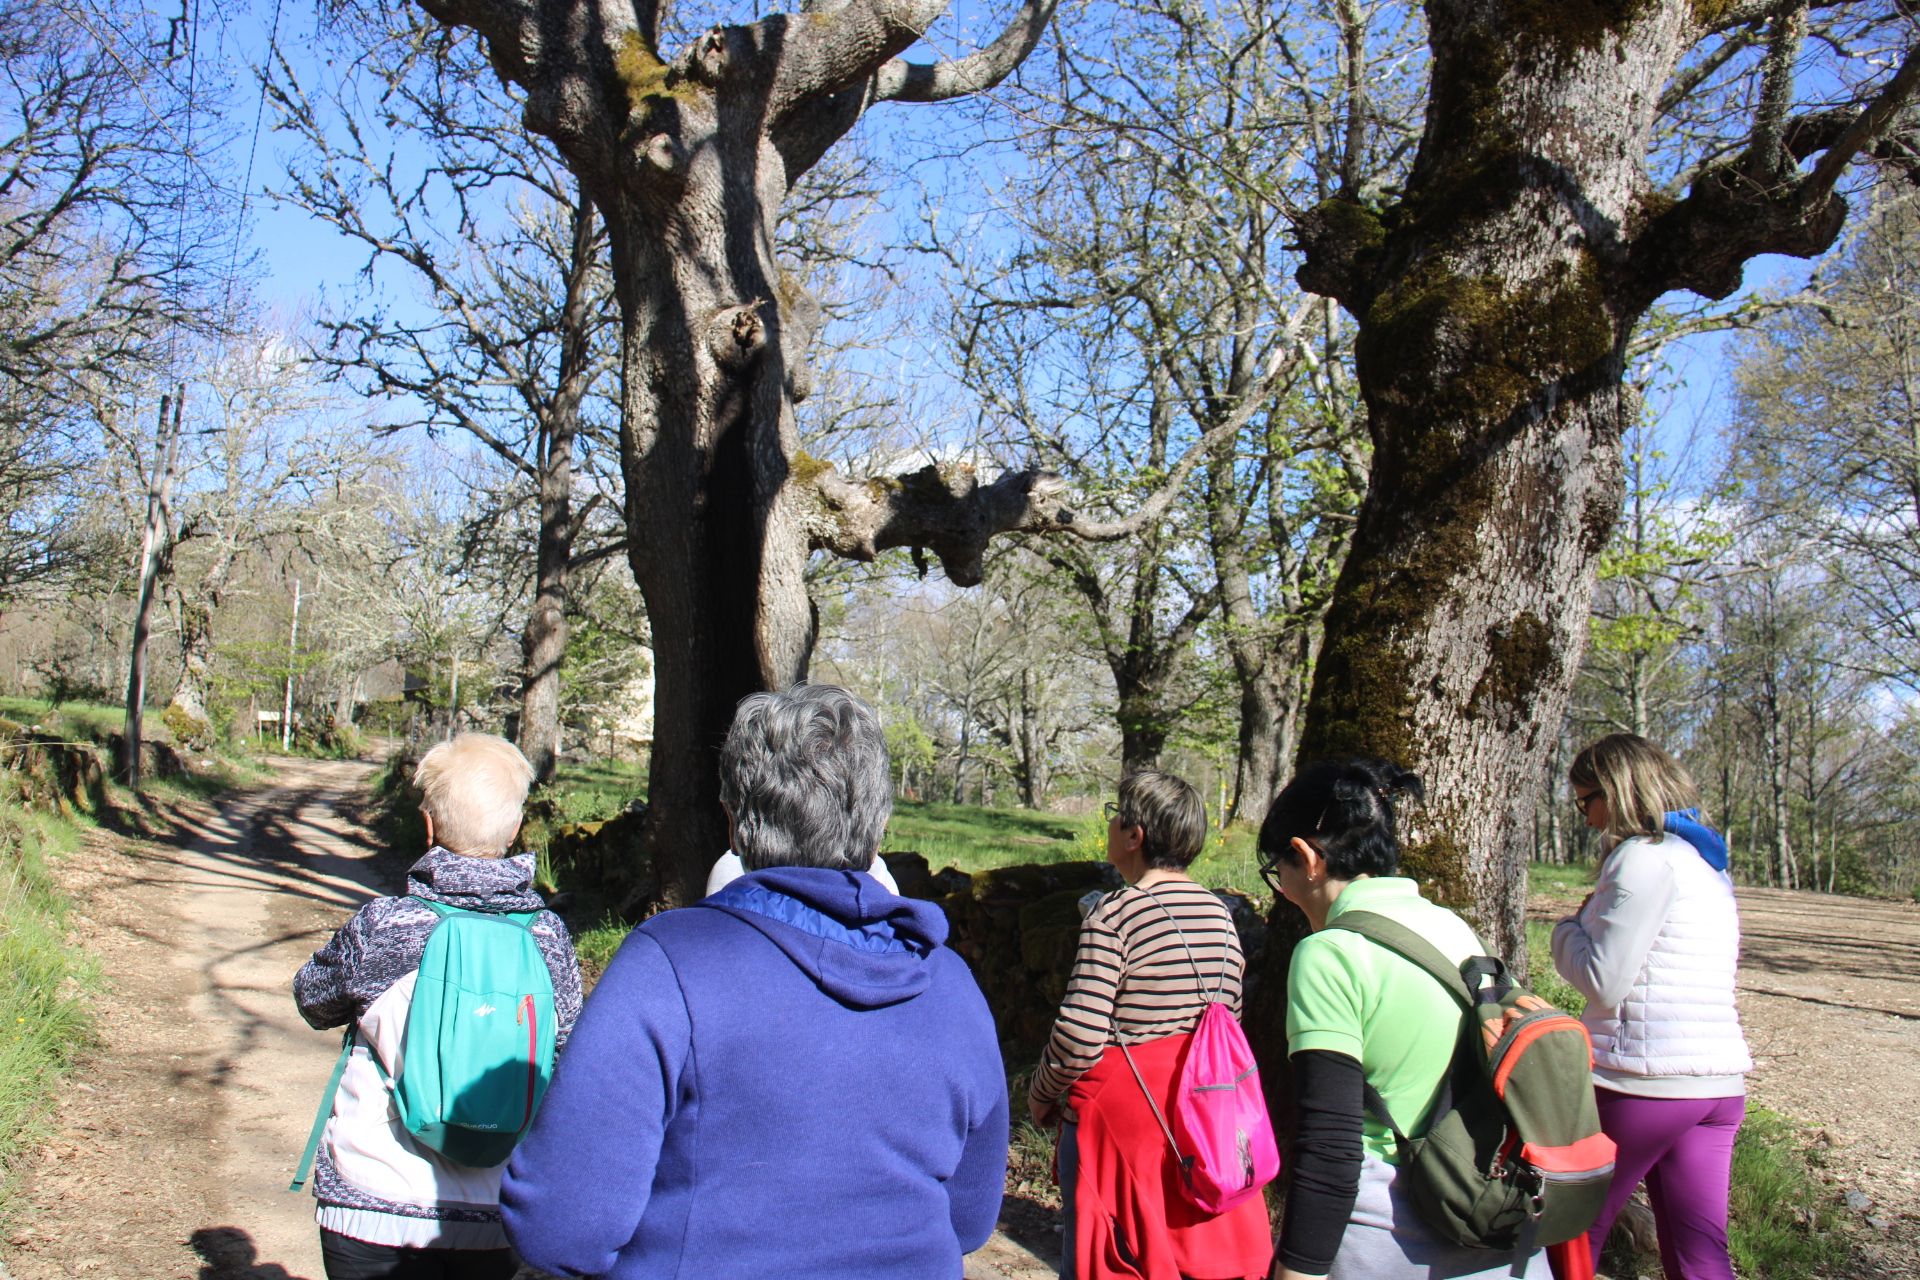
[{"x": 793, "y": 1077}]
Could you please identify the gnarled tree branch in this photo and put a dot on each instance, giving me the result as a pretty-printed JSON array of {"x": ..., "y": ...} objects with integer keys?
[
  {"x": 900, "y": 81},
  {"x": 1703, "y": 242},
  {"x": 950, "y": 511}
]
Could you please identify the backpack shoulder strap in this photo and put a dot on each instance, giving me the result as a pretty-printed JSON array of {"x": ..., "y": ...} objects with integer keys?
[
  {"x": 1199, "y": 976},
  {"x": 1409, "y": 946},
  {"x": 325, "y": 1112},
  {"x": 445, "y": 911}
]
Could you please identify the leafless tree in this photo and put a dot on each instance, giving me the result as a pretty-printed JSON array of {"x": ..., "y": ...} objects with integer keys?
[{"x": 515, "y": 351}]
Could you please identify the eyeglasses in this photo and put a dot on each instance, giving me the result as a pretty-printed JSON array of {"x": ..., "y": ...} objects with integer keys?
[
  {"x": 1270, "y": 872},
  {"x": 1112, "y": 809},
  {"x": 1584, "y": 802}
]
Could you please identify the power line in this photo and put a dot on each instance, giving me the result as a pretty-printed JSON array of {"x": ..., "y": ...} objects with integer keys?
[
  {"x": 246, "y": 184},
  {"x": 186, "y": 176}
]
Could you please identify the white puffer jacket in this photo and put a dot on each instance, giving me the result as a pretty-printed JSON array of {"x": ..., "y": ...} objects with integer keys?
[{"x": 1654, "y": 950}]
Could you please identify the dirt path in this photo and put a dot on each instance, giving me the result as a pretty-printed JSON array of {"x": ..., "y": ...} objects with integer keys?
[
  {"x": 172, "y": 1144},
  {"x": 1830, "y": 995}
]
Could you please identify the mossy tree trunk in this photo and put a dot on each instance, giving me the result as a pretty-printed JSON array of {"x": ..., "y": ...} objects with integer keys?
[
  {"x": 1494, "y": 302},
  {"x": 689, "y": 162}
]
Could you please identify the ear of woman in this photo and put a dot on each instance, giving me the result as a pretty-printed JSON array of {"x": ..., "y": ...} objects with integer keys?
[{"x": 1312, "y": 861}]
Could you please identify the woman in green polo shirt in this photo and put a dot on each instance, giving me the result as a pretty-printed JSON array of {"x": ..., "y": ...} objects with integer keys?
[{"x": 1359, "y": 1015}]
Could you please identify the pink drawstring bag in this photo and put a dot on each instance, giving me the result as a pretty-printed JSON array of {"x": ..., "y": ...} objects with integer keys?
[
  {"x": 1220, "y": 1116},
  {"x": 1221, "y": 1135}
]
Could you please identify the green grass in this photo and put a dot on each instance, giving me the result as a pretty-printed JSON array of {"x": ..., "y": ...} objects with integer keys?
[
  {"x": 584, "y": 791},
  {"x": 211, "y": 772},
  {"x": 1546, "y": 983},
  {"x": 74, "y": 721},
  {"x": 43, "y": 981},
  {"x": 1572, "y": 880},
  {"x": 1782, "y": 1220},
  {"x": 970, "y": 839},
  {"x": 595, "y": 947}
]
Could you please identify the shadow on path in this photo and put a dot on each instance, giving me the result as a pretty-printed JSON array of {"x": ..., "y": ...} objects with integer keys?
[{"x": 229, "y": 1254}]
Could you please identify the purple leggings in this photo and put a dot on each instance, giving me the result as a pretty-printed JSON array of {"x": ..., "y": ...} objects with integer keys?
[{"x": 1683, "y": 1149}]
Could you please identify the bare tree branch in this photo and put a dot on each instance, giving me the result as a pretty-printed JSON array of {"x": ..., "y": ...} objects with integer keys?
[{"x": 899, "y": 81}]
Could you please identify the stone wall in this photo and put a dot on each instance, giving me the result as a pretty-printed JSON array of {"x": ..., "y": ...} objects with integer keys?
[{"x": 1017, "y": 928}]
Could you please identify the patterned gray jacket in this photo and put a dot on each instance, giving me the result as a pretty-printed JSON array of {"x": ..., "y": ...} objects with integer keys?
[{"x": 372, "y": 1182}]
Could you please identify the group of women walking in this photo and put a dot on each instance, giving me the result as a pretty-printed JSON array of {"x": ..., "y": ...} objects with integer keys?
[{"x": 1653, "y": 948}]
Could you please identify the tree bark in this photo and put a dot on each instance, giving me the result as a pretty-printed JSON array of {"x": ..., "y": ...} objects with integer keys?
[
  {"x": 156, "y": 546},
  {"x": 543, "y": 642},
  {"x": 191, "y": 690},
  {"x": 1494, "y": 303},
  {"x": 689, "y": 163}
]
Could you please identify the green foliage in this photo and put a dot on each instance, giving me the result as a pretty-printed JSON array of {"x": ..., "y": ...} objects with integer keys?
[
  {"x": 187, "y": 729},
  {"x": 1546, "y": 983},
  {"x": 1782, "y": 1220},
  {"x": 43, "y": 981},
  {"x": 595, "y": 946},
  {"x": 909, "y": 745}
]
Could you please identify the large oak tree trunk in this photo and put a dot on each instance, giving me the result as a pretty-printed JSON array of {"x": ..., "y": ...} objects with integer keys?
[
  {"x": 1494, "y": 303},
  {"x": 689, "y": 162},
  {"x": 1490, "y": 356},
  {"x": 707, "y": 435}
]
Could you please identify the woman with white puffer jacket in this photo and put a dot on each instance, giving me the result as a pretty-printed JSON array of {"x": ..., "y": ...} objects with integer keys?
[{"x": 1654, "y": 948}]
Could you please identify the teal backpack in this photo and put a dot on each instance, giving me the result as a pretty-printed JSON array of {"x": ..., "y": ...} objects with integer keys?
[{"x": 477, "y": 1051}]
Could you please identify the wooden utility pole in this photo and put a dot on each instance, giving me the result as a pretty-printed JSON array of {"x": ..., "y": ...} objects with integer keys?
[{"x": 156, "y": 544}]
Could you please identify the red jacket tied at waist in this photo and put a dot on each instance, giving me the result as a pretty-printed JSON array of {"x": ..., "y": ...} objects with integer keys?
[{"x": 1130, "y": 1218}]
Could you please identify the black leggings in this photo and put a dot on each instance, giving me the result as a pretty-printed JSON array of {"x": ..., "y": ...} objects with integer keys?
[{"x": 350, "y": 1259}]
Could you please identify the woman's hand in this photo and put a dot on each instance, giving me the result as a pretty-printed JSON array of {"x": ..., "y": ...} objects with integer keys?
[
  {"x": 1288, "y": 1273},
  {"x": 1045, "y": 1114}
]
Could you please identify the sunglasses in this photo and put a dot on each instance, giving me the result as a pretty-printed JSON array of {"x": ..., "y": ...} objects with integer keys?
[{"x": 1584, "y": 802}]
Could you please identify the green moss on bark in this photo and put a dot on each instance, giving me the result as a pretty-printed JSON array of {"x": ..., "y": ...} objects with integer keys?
[
  {"x": 645, "y": 77},
  {"x": 1439, "y": 864},
  {"x": 1473, "y": 351},
  {"x": 1578, "y": 24},
  {"x": 804, "y": 468},
  {"x": 1521, "y": 656}
]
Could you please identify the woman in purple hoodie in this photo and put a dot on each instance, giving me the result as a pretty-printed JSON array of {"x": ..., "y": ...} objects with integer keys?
[{"x": 792, "y": 1077}]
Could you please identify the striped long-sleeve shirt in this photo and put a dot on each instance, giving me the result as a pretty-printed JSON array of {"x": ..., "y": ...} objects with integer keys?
[{"x": 1132, "y": 977}]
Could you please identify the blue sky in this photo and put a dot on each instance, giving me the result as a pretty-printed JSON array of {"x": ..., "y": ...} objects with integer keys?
[{"x": 302, "y": 261}]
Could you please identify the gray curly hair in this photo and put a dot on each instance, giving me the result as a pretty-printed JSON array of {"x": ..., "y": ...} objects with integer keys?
[{"x": 805, "y": 775}]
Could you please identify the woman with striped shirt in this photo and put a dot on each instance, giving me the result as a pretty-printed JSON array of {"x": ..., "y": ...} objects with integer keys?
[{"x": 1150, "y": 959}]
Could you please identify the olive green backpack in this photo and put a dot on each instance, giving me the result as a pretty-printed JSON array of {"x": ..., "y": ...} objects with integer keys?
[{"x": 1513, "y": 1157}]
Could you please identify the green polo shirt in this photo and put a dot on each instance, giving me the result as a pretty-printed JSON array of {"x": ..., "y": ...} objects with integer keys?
[{"x": 1348, "y": 995}]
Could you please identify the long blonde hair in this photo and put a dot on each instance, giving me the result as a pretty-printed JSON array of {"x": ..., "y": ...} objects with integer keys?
[{"x": 1641, "y": 782}]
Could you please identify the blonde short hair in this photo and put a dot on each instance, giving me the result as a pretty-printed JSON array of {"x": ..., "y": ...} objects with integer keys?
[
  {"x": 473, "y": 787},
  {"x": 1641, "y": 782}
]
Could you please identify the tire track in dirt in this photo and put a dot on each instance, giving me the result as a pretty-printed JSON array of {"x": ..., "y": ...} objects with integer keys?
[{"x": 1830, "y": 997}]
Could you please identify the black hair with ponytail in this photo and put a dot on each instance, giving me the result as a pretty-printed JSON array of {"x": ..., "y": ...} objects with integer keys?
[{"x": 1348, "y": 810}]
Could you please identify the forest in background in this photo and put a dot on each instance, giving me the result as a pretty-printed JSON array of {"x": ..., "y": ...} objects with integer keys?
[{"x": 430, "y": 465}]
